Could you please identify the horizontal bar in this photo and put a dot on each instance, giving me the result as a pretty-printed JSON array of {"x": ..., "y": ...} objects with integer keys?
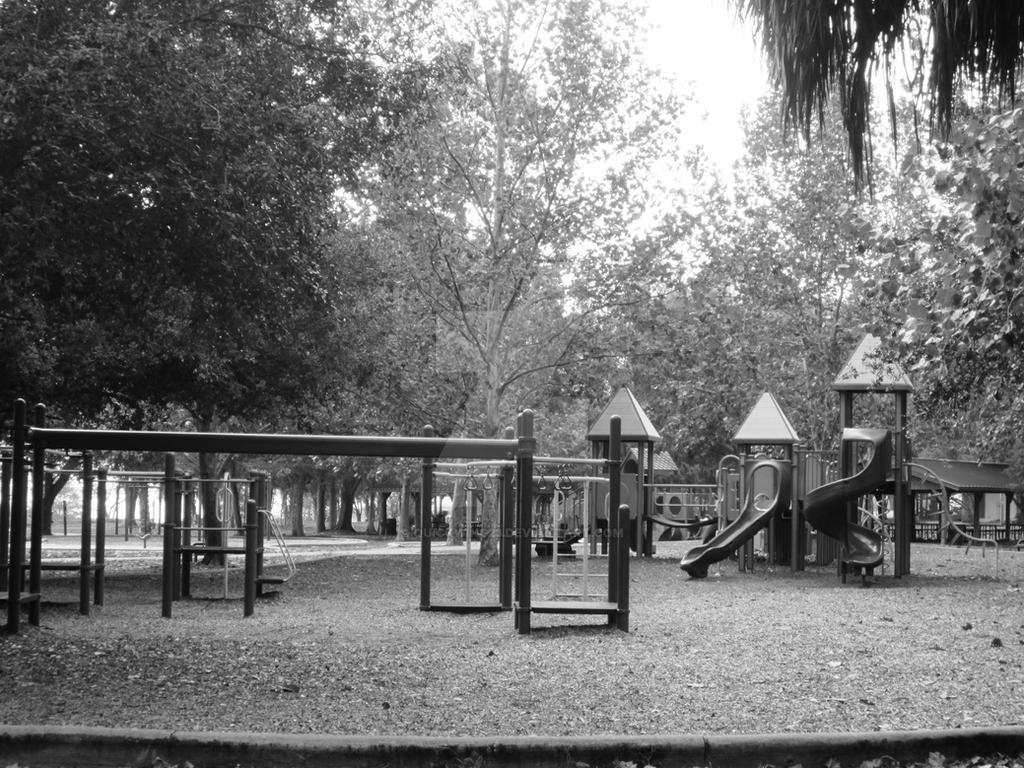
[
  {"x": 545, "y": 460},
  {"x": 570, "y": 460},
  {"x": 683, "y": 486},
  {"x": 303, "y": 445},
  {"x": 537, "y": 477},
  {"x": 501, "y": 463},
  {"x": 572, "y": 478}
]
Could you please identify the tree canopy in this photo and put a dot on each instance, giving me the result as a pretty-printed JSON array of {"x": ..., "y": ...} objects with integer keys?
[
  {"x": 816, "y": 50},
  {"x": 167, "y": 183},
  {"x": 368, "y": 217}
]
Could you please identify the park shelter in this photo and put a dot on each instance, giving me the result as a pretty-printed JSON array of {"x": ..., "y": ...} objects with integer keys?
[
  {"x": 867, "y": 371},
  {"x": 767, "y": 429},
  {"x": 664, "y": 468},
  {"x": 637, "y": 429},
  {"x": 974, "y": 480}
]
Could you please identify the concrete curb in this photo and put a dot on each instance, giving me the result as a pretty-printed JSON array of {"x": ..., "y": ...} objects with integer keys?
[{"x": 67, "y": 747}]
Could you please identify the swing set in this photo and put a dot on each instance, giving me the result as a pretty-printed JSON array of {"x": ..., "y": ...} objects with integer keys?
[
  {"x": 547, "y": 533},
  {"x": 30, "y": 443}
]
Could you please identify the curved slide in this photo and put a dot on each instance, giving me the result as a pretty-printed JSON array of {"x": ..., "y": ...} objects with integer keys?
[
  {"x": 752, "y": 519},
  {"x": 825, "y": 506}
]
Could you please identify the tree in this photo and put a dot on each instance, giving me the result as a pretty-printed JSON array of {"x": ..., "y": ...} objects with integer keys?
[
  {"x": 168, "y": 182},
  {"x": 952, "y": 289},
  {"x": 771, "y": 299},
  {"x": 816, "y": 50},
  {"x": 159, "y": 163},
  {"x": 523, "y": 170},
  {"x": 949, "y": 272}
]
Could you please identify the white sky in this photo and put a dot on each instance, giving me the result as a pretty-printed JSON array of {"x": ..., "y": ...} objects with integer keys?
[{"x": 702, "y": 41}]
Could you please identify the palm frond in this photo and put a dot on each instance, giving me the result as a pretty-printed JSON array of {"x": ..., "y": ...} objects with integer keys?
[
  {"x": 980, "y": 40},
  {"x": 817, "y": 48}
]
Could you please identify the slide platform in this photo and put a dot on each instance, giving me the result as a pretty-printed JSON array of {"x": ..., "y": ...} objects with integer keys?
[
  {"x": 752, "y": 519},
  {"x": 825, "y": 506}
]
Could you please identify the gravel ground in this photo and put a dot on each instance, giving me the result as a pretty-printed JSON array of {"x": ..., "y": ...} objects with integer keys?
[{"x": 342, "y": 648}]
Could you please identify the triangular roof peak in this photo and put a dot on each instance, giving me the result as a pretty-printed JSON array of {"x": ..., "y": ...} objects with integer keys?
[
  {"x": 636, "y": 427},
  {"x": 766, "y": 424},
  {"x": 866, "y": 371}
]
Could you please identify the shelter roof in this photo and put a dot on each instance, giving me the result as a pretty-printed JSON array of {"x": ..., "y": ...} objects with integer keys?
[
  {"x": 967, "y": 476},
  {"x": 766, "y": 424},
  {"x": 866, "y": 371},
  {"x": 636, "y": 426},
  {"x": 664, "y": 464}
]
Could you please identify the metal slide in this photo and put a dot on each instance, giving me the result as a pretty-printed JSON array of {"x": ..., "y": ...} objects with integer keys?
[
  {"x": 825, "y": 506},
  {"x": 755, "y": 515}
]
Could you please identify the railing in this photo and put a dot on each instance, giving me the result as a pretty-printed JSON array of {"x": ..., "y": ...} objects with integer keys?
[
  {"x": 685, "y": 502},
  {"x": 932, "y": 531}
]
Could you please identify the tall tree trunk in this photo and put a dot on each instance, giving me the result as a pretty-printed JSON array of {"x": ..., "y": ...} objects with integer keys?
[
  {"x": 404, "y": 516},
  {"x": 490, "y": 529},
  {"x": 371, "y": 516},
  {"x": 296, "y": 507},
  {"x": 145, "y": 526},
  {"x": 53, "y": 485},
  {"x": 238, "y": 496},
  {"x": 349, "y": 487},
  {"x": 333, "y": 514},
  {"x": 131, "y": 500},
  {"x": 489, "y": 522},
  {"x": 207, "y": 511},
  {"x": 322, "y": 478},
  {"x": 459, "y": 516}
]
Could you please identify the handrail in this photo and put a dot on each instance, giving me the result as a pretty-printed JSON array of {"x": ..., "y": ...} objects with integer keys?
[{"x": 275, "y": 531}]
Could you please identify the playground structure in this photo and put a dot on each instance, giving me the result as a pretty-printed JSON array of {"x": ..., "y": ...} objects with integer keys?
[
  {"x": 637, "y": 485},
  {"x": 95, "y": 485},
  {"x": 839, "y": 496},
  {"x": 804, "y": 488},
  {"x": 517, "y": 501},
  {"x": 565, "y": 514},
  {"x": 31, "y": 443},
  {"x": 90, "y": 568},
  {"x": 181, "y": 525},
  {"x": 757, "y": 510},
  {"x": 573, "y": 518},
  {"x": 818, "y": 494},
  {"x": 505, "y": 487},
  {"x": 616, "y": 605},
  {"x": 825, "y": 506},
  {"x": 689, "y": 507}
]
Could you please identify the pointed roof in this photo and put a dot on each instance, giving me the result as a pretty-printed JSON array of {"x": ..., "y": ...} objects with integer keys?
[
  {"x": 766, "y": 424},
  {"x": 866, "y": 371},
  {"x": 636, "y": 427}
]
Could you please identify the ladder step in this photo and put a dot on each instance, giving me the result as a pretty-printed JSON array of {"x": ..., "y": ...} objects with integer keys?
[{"x": 574, "y": 606}]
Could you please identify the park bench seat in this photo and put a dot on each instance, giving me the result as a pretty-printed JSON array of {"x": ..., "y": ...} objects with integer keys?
[
  {"x": 63, "y": 566},
  {"x": 25, "y": 597}
]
